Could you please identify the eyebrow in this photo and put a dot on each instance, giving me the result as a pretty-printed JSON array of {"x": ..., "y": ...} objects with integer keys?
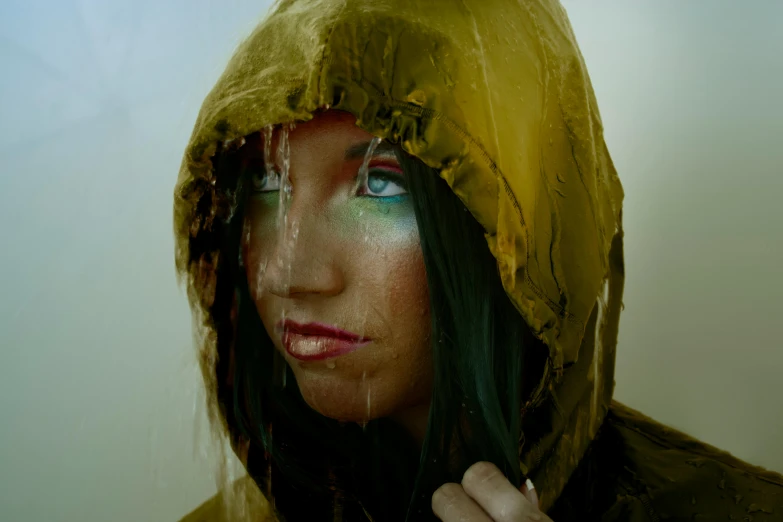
[{"x": 359, "y": 150}]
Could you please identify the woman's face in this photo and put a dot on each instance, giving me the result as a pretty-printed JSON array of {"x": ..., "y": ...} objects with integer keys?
[{"x": 341, "y": 287}]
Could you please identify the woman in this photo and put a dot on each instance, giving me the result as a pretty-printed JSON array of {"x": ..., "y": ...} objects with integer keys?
[{"x": 401, "y": 231}]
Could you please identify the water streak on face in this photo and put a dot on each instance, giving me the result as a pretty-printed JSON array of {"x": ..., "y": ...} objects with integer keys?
[{"x": 344, "y": 298}]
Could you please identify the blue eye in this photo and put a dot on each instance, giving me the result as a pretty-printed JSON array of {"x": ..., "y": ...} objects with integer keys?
[
  {"x": 264, "y": 181},
  {"x": 384, "y": 184},
  {"x": 376, "y": 184}
]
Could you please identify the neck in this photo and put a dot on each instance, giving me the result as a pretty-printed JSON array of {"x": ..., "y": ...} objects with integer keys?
[{"x": 414, "y": 421}]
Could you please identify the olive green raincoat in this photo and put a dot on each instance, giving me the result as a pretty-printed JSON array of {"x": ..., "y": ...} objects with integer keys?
[{"x": 494, "y": 94}]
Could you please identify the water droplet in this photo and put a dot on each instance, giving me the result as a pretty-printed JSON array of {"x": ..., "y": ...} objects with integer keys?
[
  {"x": 260, "y": 277},
  {"x": 283, "y": 161},
  {"x": 287, "y": 232},
  {"x": 361, "y": 179},
  {"x": 369, "y": 403},
  {"x": 331, "y": 364},
  {"x": 417, "y": 97},
  {"x": 268, "y": 132},
  {"x": 279, "y": 367}
]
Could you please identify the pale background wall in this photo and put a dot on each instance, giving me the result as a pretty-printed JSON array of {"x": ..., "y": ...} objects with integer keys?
[{"x": 98, "y": 381}]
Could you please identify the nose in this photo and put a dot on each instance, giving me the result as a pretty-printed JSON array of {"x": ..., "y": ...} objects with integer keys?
[{"x": 304, "y": 261}]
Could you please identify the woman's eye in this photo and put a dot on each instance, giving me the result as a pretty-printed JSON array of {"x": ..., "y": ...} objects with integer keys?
[
  {"x": 384, "y": 184},
  {"x": 266, "y": 181}
]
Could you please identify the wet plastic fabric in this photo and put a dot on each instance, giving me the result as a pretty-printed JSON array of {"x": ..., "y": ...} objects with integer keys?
[
  {"x": 493, "y": 93},
  {"x": 635, "y": 470}
]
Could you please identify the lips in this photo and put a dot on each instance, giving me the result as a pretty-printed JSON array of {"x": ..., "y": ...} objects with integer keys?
[{"x": 316, "y": 341}]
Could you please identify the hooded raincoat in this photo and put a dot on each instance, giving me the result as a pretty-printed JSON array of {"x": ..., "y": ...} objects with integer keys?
[{"x": 494, "y": 94}]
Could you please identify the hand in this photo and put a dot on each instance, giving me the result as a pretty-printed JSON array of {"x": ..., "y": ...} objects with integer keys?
[{"x": 485, "y": 495}]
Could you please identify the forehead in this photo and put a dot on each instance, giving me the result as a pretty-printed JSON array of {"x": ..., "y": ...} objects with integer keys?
[
  {"x": 329, "y": 132},
  {"x": 328, "y": 135}
]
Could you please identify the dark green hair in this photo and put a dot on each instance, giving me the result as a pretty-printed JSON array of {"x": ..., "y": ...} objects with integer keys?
[{"x": 486, "y": 363}]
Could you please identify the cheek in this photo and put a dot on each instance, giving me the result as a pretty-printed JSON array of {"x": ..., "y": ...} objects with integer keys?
[
  {"x": 376, "y": 248},
  {"x": 387, "y": 291},
  {"x": 386, "y": 265},
  {"x": 403, "y": 376},
  {"x": 407, "y": 300}
]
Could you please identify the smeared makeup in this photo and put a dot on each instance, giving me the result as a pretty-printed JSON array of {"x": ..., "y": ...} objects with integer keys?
[
  {"x": 356, "y": 265},
  {"x": 381, "y": 218},
  {"x": 378, "y": 218}
]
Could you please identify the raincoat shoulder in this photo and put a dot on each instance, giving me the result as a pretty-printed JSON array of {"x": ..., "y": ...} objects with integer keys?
[
  {"x": 226, "y": 507},
  {"x": 640, "y": 470}
]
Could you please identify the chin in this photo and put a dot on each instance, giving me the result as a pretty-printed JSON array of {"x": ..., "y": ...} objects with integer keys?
[{"x": 343, "y": 399}]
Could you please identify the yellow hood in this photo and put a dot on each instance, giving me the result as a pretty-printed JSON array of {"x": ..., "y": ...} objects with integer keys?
[{"x": 493, "y": 93}]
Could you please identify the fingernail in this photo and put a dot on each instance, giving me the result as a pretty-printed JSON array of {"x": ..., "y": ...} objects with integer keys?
[{"x": 531, "y": 494}]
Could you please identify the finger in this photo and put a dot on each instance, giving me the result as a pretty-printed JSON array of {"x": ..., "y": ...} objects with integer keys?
[
  {"x": 529, "y": 490},
  {"x": 450, "y": 503},
  {"x": 485, "y": 483}
]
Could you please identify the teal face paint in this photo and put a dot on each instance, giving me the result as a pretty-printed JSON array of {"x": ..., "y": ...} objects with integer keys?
[
  {"x": 348, "y": 258},
  {"x": 374, "y": 216},
  {"x": 381, "y": 211}
]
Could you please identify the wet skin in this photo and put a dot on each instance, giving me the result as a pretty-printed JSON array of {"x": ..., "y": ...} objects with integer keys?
[
  {"x": 338, "y": 280},
  {"x": 347, "y": 261}
]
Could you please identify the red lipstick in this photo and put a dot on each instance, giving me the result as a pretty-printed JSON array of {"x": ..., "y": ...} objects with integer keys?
[{"x": 316, "y": 341}]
